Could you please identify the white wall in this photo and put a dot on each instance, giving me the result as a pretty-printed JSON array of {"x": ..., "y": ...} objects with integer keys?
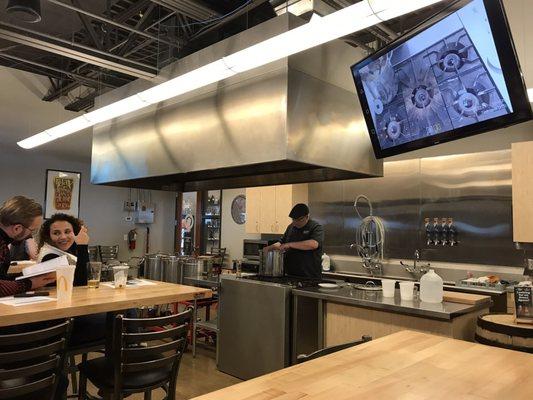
[
  {"x": 101, "y": 207},
  {"x": 232, "y": 233}
]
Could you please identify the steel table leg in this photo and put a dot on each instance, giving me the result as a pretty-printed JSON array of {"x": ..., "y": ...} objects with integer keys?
[{"x": 195, "y": 317}]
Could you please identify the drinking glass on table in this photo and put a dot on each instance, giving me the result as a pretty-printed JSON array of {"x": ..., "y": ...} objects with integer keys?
[
  {"x": 120, "y": 275},
  {"x": 94, "y": 272}
]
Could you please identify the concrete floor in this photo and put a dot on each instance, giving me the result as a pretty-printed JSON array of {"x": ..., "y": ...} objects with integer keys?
[{"x": 196, "y": 376}]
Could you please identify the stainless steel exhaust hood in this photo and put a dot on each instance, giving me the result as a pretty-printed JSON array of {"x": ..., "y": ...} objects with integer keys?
[{"x": 295, "y": 120}]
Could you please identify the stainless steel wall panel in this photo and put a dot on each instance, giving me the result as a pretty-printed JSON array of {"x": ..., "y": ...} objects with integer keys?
[
  {"x": 326, "y": 127},
  {"x": 474, "y": 189}
]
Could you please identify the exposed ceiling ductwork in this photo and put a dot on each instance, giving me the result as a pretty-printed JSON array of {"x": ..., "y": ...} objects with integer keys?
[
  {"x": 86, "y": 48},
  {"x": 25, "y": 10}
]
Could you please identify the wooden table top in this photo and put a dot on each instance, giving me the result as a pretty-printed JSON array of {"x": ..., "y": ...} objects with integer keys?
[
  {"x": 404, "y": 365},
  {"x": 103, "y": 299}
]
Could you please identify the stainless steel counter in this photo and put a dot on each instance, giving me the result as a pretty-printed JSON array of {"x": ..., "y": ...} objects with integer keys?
[
  {"x": 201, "y": 282},
  {"x": 375, "y": 300}
]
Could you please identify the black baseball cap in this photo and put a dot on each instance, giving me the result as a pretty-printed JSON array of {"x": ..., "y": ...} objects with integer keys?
[{"x": 299, "y": 210}]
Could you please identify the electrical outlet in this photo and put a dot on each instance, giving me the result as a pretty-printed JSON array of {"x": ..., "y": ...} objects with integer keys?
[
  {"x": 129, "y": 206},
  {"x": 128, "y": 218},
  {"x": 126, "y": 238}
]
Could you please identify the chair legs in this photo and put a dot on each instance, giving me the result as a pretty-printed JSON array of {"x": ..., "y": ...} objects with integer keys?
[
  {"x": 73, "y": 373},
  {"x": 82, "y": 390},
  {"x": 148, "y": 395}
]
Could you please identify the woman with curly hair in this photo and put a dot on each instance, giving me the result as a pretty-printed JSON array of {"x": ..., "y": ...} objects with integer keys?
[{"x": 64, "y": 234}]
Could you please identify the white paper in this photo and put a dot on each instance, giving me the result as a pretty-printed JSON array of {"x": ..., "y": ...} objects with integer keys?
[
  {"x": 131, "y": 283},
  {"x": 22, "y": 301},
  {"x": 44, "y": 267}
]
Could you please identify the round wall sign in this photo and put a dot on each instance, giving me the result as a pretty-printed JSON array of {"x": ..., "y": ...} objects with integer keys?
[{"x": 238, "y": 209}]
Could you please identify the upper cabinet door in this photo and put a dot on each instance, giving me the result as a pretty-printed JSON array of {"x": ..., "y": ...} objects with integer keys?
[
  {"x": 253, "y": 210},
  {"x": 522, "y": 160},
  {"x": 284, "y": 205},
  {"x": 268, "y": 209}
]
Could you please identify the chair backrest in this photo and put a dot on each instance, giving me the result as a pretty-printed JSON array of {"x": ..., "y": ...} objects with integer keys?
[
  {"x": 144, "y": 344},
  {"x": 94, "y": 254},
  {"x": 219, "y": 253},
  {"x": 31, "y": 361},
  {"x": 108, "y": 253},
  {"x": 328, "y": 350}
]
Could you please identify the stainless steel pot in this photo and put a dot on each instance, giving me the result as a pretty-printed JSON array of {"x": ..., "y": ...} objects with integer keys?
[
  {"x": 153, "y": 267},
  {"x": 190, "y": 268},
  {"x": 172, "y": 269},
  {"x": 271, "y": 263}
]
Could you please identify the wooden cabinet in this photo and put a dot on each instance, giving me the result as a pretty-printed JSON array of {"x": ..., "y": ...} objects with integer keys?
[
  {"x": 522, "y": 161},
  {"x": 253, "y": 208},
  {"x": 268, "y": 207}
]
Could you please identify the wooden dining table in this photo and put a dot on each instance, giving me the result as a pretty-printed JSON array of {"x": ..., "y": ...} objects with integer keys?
[
  {"x": 102, "y": 299},
  {"x": 403, "y": 365}
]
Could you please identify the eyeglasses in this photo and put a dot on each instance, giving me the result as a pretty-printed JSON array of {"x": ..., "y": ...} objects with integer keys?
[{"x": 33, "y": 232}]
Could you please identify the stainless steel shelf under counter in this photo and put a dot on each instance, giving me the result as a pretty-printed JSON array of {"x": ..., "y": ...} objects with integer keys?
[
  {"x": 375, "y": 300},
  {"x": 347, "y": 313}
]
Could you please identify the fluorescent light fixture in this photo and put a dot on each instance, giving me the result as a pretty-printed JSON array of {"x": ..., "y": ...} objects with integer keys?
[
  {"x": 318, "y": 31},
  {"x": 116, "y": 109},
  {"x": 203, "y": 76}
]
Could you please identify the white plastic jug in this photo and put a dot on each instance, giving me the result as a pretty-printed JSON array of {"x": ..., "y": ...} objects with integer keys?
[
  {"x": 326, "y": 262},
  {"x": 431, "y": 287}
]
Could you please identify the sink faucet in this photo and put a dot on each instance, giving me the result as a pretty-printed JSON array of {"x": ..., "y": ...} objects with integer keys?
[
  {"x": 417, "y": 269},
  {"x": 371, "y": 263}
]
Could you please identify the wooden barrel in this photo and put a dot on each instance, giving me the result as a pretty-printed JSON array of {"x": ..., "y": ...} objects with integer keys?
[{"x": 500, "y": 330}]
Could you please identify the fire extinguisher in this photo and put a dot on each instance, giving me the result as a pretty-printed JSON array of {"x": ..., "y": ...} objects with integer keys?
[{"x": 132, "y": 238}]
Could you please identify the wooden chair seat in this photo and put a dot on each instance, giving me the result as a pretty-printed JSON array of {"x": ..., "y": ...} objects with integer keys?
[{"x": 101, "y": 373}]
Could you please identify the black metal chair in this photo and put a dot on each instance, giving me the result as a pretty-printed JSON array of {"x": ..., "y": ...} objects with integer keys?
[
  {"x": 142, "y": 360},
  {"x": 328, "y": 350},
  {"x": 32, "y": 362}
]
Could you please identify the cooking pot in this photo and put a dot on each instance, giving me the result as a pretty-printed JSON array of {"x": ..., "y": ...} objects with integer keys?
[
  {"x": 172, "y": 268},
  {"x": 271, "y": 263},
  {"x": 190, "y": 268},
  {"x": 153, "y": 268}
]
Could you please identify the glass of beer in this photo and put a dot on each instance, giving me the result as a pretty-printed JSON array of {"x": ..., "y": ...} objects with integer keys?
[{"x": 94, "y": 271}]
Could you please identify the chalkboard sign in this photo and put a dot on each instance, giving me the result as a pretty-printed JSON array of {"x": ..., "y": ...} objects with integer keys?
[{"x": 523, "y": 304}]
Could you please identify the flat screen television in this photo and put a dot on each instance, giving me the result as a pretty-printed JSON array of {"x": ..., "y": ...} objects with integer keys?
[{"x": 453, "y": 76}]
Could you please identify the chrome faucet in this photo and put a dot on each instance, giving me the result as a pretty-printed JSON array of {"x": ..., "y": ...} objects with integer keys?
[
  {"x": 370, "y": 263},
  {"x": 417, "y": 269}
]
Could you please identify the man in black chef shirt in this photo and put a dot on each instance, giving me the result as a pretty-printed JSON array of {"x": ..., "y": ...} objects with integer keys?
[{"x": 302, "y": 244}]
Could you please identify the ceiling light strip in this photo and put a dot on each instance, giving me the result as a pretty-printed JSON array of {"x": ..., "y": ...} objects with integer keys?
[{"x": 316, "y": 32}]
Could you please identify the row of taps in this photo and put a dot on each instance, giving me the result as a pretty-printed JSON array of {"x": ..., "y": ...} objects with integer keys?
[{"x": 442, "y": 232}]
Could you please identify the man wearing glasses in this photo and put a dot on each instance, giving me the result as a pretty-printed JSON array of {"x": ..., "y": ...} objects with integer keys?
[
  {"x": 302, "y": 244},
  {"x": 20, "y": 219}
]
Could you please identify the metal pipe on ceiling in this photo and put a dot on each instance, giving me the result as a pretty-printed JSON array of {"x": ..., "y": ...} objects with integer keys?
[
  {"x": 84, "y": 79},
  {"x": 65, "y": 48},
  {"x": 192, "y": 11},
  {"x": 387, "y": 30},
  {"x": 111, "y": 22},
  {"x": 253, "y": 4}
]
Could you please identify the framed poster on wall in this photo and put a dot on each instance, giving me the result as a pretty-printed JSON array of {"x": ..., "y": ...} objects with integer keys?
[{"x": 62, "y": 194}]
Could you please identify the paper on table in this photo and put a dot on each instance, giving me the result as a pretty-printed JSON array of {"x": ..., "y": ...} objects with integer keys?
[
  {"x": 22, "y": 301},
  {"x": 131, "y": 283}
]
